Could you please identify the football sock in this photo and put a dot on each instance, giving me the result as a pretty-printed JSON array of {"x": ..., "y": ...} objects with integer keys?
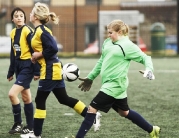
[
  {"x": 16, "y": 109},
  {"x": 39, "y": 117},
  {"x": 38, "y": 123},
  {"x": 139, "y": 121},
  {"x": 86, "y": 125},
  {"x": 80, "y": 108},
  {"x": 29, "y": 113},
  {"x": 84, "y": 112}
]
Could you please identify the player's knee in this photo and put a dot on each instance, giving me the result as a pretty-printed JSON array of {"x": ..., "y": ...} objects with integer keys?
[
  {"x": 123, "y": 113},
  {"x": 38, "y": 100},
  {"x": 12, "y": 96},
  {"x": 26, "y": 100},
  {"x": 67, "y": 101},
  {"x": 92, "y": 110}
]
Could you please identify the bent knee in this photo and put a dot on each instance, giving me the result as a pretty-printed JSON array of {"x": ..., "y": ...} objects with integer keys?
[
  {"x": 92, "y": 110},
  {"x": 26, "y": 100},
  {"x": 11, "y": 96},
  {"x": 123, "y": 113}
]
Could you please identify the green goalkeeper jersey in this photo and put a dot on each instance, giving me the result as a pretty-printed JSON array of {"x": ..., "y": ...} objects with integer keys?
[{"x": 114, "y": 63}]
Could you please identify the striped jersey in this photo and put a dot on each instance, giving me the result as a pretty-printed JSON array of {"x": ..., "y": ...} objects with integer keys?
[
  {"x": 43, "y": 41},
  {"x": 20, "y": 42}
]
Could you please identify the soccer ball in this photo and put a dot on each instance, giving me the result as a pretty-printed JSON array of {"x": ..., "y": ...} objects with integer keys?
[{"x": 71, "y": 72}]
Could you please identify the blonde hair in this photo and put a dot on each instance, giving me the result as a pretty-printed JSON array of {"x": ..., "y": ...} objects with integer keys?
[
  {"x": 118, "y": 25},
  {"x": 41, "y": 11}
]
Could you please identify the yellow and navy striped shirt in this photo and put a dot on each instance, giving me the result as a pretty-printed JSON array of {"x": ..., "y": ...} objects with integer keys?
[
  {"x": 20, "y": 46},
  {"x": 20, "y": 41},
  {"x": 43, "y": 41}
]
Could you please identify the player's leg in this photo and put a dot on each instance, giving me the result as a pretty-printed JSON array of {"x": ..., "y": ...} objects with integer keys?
[
  {"x": 121, "y": 107},
  {"x": 40, "y": 112},
  {"x": 63, "y": 98},
  {"x": 137, "y": 119},
  {"x": 25, "y": 77},
  {"x": 101, "y": 102},
  {"x": 29, "y": 112},
  {"x": 76, "y": 104},
  {"x": 16, "y": 108}
]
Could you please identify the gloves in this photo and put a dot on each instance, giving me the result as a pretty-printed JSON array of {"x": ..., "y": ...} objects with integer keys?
[
  {"x": 85, "y": 85},
  {"x": 148, "y": 74}
]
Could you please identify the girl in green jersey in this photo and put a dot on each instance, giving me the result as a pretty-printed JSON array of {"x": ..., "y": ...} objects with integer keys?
[{"x": 113, "y": 66}]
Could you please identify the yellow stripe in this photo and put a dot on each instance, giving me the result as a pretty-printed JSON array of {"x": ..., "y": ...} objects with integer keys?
[
  {"x": 57, "y": 71},
  {"x": 40, "y": 113},
  {"x": 79, "y": 107},
  {"x": 43, "y": 68}
]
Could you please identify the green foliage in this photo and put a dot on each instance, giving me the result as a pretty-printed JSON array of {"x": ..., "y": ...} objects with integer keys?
[{"x": 157, "y": 101}]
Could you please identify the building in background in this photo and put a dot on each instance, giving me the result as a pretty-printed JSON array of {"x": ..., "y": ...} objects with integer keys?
[{"x": 79, "y": 19}]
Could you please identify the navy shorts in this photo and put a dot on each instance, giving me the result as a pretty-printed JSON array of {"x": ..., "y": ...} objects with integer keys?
[
  {"x": 49, "y": 85},
  {"x": 104, "y": 102},
  {"x": 24, "y": 73}
]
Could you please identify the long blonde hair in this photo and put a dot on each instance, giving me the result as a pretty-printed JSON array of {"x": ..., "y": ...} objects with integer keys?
[
  {"x": 119, "y": 26},
  {"x": 41, "y": 11}
]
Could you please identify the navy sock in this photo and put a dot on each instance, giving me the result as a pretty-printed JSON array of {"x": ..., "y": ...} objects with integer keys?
[
  {"x": 29, "y": 113},
  {"x": 139, "y": 121},
  {"x": 16, "y": 109},
  {"x": 38, "y": 123},
  {"x": 86, "y": 125},
  {"x": 84, "y": 112}
]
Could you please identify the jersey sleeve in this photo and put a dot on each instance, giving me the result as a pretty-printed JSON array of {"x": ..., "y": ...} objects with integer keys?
[
  {"x": 134, "y": 53},
  {"x": 12, "y": 63},
  {"x": 36, "y": 68},
  {"x": 49, "y": 45},
  {"x": 97, "y": 68},
  {"x": 29, "y": 32}
]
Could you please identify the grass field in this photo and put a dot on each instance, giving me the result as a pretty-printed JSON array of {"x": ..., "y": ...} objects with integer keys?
[{"x": 157, "y": 101}]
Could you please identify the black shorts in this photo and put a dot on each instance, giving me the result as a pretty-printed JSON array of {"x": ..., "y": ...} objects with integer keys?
[{"x": 104, "y": 102}]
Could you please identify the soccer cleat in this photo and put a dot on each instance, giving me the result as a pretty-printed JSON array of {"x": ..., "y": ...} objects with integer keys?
[
  {"x": 96, "y": 123},
  {"x": 26, "y": 132},
  {"x": 34, "y": 136},
  {"x": 155, "y": 132},
  {"x": 16, "y": 128}
]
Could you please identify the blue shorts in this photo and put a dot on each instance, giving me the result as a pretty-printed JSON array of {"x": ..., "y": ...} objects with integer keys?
[
  {"x": 50, "y": 85},
  {"x": 24, "y": 73}
]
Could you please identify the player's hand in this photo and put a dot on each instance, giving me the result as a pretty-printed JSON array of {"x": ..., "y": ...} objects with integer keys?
[
  {"x": 36, "y": 56},
  {"x": 33, "y": 60},
  {"x": 10, "y": 78},
  {"x": 36, "y": 78},
  {"x": 147, "y": 74},
  {"x": 85, "y": 85}
]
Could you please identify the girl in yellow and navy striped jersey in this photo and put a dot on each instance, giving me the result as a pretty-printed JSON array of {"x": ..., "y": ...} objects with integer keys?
[
  {"x": 45, "y": 53},
  {"x": 25, "y": 71}
]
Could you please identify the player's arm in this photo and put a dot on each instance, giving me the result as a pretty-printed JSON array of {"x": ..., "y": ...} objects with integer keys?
[
  {"x": 12, "y": 64},
  {"x": 97, "y": 68},
  {"x": 36, "y": 67},
  {"x": 36, "y": 56},
  {"x": 87, "y": 82},
  {"x": 29, "y": 32},
  {"x": 49, "y": 45},
  {"x": 135, "y": 54}
]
